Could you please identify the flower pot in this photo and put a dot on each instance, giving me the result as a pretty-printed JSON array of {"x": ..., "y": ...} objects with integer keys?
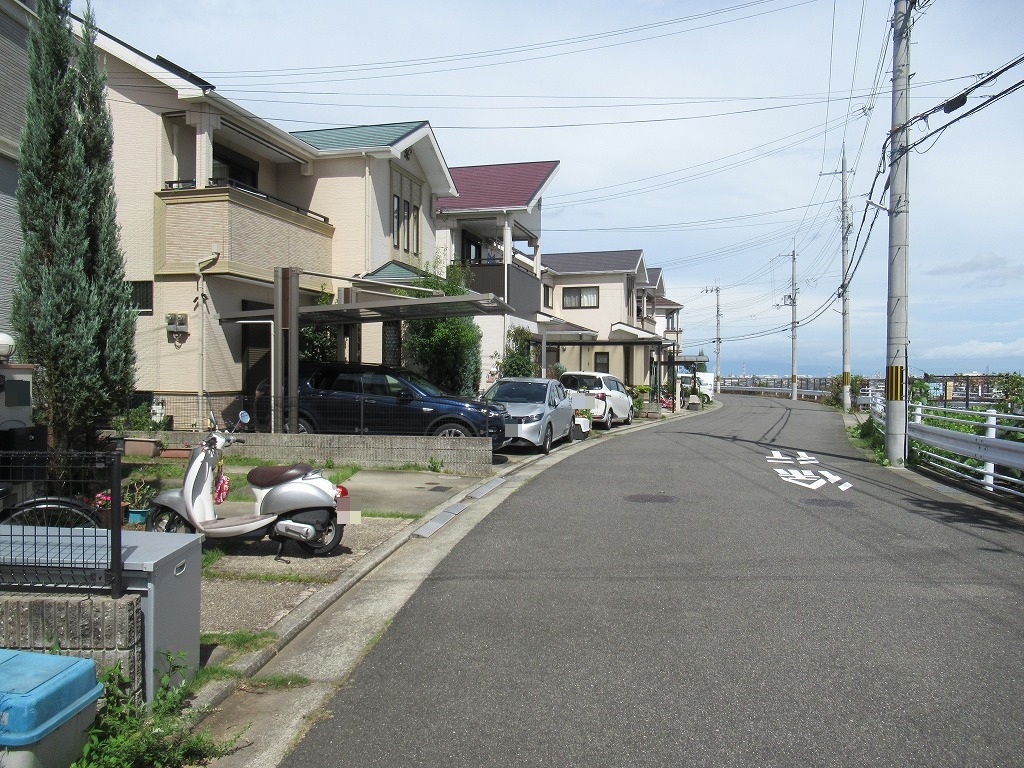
[{"x": 137, "y": 515}]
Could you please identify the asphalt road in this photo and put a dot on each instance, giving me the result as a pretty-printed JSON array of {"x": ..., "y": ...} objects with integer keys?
[{"x": 739, "y": 589}]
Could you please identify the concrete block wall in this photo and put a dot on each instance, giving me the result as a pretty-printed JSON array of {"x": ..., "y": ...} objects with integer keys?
[
  {"x": 468, "y": 456},
  {"x": 80, "y": 624}
]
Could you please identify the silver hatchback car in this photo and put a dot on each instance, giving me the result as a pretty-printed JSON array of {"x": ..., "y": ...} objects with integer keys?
[
  {"x": 611, "y": 400},
  {"x": 539, "y": 410}
]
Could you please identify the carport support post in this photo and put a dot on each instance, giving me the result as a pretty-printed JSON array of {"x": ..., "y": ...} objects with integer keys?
[{"x": 286, "y": 331}]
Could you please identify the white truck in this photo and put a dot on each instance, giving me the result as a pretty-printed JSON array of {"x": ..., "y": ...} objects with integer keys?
[{"x": 705, "y": 383}]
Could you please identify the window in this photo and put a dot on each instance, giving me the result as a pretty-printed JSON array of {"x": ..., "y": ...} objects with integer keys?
[
  {"x": 415, "y": 229},
  {"x": 231, "y": 165},
  {"x": 396, "y": 219},
  {"x": 601, "y": 362},
  {"x": 142, "y": 296},
  {"x": 549, "y": 296},
  {"x": 472, "y": 248},
  {"x": 406, "y": 194},
  {"x": 579, "y": 298},
  {"x": 406, "y": 229}
]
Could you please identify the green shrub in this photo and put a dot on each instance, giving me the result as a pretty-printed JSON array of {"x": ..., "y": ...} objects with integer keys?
[{"x": 128, "y": 735}]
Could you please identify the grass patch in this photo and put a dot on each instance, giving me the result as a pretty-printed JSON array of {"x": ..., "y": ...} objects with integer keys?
[
  {"x": 211, "y": 673},
  {"x": 276, "y": 682},
  {"x": 272, "y": 578},
  {"x": 342, "y": 473},
  {"x": 241, "y": 640},
  {"x": 407, "y": 467},
  {"x": 396, "y": 515},
  {"x": 211, "y": 556}
]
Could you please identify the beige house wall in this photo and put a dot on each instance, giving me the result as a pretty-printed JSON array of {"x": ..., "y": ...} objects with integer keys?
[{"x": 611, "y": 301}]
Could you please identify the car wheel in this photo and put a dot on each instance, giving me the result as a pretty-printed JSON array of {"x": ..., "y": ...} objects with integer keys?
[
  {"x": 629, "y": 416},
  {"x": 545, "y": 447},
  {"x": 607, "y": 422},
  {"x": 451, "y": 430},
  {"x": 305, "y": 427},
  {"x": 705, "y": 398},
  {"x": 570, "y": 436}
]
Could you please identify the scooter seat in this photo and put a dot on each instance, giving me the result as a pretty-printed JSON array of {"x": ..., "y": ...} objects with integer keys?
[{"x": 267, "y": 477}]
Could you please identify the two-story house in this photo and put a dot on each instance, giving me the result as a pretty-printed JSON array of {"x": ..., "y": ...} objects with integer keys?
[
  {"x": 212, "y": 199},
  {"x": 493, "y": 229},
  {"x": 613, "y": 293}
]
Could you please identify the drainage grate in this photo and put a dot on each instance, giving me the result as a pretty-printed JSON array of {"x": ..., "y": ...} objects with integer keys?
[
  {"x": 442, "y": 488},
  {"x": 652, "y": 498}
]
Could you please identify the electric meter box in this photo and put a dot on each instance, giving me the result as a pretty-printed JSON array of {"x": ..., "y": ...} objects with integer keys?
[{"x": 49, "y": 703}]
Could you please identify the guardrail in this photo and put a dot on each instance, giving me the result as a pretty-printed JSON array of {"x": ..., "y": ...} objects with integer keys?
[
  {"x": 997, "y": 456},
  {"x": 802, "y": 394}
]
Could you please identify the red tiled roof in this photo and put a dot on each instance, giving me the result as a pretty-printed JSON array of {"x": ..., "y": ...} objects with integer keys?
[{"x": 512, "y": 185}]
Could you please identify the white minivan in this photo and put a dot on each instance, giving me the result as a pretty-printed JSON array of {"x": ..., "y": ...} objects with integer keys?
[{"x": 611, "y": 400}]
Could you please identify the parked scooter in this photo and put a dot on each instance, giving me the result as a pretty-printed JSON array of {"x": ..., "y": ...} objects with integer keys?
[{"x": 292, "y": 502}]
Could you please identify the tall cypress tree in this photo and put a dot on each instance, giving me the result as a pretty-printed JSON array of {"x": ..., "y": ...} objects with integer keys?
[
  {"x": 61, "y": 312},
  {"x": 111, "y": 295}
]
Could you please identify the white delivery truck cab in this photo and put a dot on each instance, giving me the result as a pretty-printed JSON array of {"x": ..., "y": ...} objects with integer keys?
[{"x": 706, "y": 382}]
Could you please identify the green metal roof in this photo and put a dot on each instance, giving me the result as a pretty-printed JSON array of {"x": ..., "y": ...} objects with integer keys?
[
  {"x": 358, "y": 136},
  {"x": 396, "y": 270}
]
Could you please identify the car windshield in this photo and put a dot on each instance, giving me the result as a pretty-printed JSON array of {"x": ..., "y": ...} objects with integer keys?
[
  {"x": 582, "y": 382},
  {"x": 425, "y": 387},
  {"x": 518, "y": 392}
]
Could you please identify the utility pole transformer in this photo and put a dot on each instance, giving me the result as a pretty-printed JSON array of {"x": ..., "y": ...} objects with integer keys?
[
  {"x": 718, "y": 336},
  {"x": 791, "y": 302},
  {"x": 897, "y": 341},
  {"x": 845, "y": 288}
]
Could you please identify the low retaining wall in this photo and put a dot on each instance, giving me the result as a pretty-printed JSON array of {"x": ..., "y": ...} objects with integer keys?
[
  {"x": 76, "y": 624},
  {"x": 469, "y": 456}
]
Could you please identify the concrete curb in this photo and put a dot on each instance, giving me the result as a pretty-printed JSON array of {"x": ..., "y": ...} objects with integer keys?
[{"x": 247, "y": 665}]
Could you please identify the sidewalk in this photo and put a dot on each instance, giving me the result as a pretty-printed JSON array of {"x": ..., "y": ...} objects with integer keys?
[{"x": 239, "y": 591}]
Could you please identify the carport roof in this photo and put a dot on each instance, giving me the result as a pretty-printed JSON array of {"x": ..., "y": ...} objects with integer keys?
[{"x": 392, "y": 308}]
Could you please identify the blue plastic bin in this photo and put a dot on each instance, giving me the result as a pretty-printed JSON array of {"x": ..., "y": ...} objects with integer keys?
[{"x": 47, "y": 704}]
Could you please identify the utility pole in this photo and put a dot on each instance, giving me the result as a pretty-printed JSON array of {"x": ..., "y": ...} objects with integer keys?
[
  {"x": 718, "y": 335},
  {"x": 791, "y": 301},
  {"x": 844, "y": 291},
  {"x": 897, "y": 340}
]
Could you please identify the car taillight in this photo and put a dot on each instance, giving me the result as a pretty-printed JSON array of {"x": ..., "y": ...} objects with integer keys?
[{"x": 600, "y": 395}]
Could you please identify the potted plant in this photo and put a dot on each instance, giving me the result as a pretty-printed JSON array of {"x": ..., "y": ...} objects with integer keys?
[{"x": 138, "y": 496}]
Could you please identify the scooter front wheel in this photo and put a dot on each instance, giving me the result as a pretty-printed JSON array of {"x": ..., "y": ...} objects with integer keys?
[
  {"x": 166, "y": 520},
  {"x": 327, "y": 542}
]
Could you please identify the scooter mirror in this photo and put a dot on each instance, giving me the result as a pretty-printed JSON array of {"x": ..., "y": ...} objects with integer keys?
[{"x": 243, "y": 416}]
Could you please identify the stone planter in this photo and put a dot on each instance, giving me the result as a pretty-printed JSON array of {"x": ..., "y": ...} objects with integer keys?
[
  {"x": 141, "y": 446},
  {"x": 175, "y": 453}
]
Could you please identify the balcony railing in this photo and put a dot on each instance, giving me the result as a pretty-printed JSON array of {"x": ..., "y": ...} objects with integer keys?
[{"x": 223, "y": 182}]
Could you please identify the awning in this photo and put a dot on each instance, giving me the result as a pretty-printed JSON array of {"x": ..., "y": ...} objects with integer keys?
[
  {"x": 638, "y": 333},
  {"x": 392, "y": 308}
]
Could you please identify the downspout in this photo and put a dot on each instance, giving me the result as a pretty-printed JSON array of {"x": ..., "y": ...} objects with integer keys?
[
  {"x": 506, "y": 244},
  {"x": 367, "y": 200}
]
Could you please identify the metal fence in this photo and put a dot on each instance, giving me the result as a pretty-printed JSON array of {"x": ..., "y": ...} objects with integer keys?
[
  {"x": 981, "y": 447},
  {"x": 60, "y": 520}
]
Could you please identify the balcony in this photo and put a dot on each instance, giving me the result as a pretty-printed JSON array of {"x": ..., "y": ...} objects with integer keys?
[
  {"x": 523, "y": 286},
  {"x": 254, "y": 231}
]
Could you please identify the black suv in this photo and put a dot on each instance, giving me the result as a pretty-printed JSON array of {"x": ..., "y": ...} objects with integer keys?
[{"x": 357, "y": 399}]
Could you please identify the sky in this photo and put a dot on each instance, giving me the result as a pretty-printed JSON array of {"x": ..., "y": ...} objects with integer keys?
[{"x": 708, "y": 133}]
